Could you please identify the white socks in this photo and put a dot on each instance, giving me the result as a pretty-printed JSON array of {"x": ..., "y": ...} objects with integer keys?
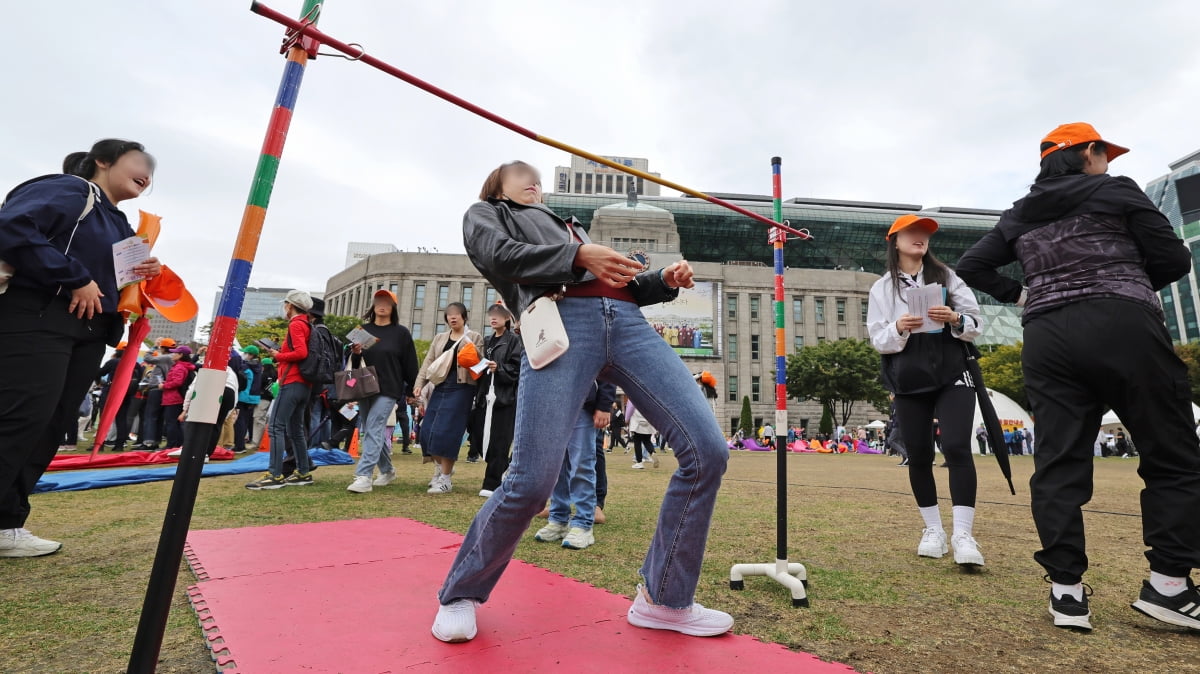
[
  {"x": 1061, "y": 590},
  {"x": 1167, "y": 586},
  {"x": 932, "y": 517},
  {"x": 964, "y": 520}
]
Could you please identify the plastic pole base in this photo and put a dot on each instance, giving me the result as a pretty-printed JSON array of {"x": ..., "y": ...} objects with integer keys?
[{"x": 791, "y": 575}]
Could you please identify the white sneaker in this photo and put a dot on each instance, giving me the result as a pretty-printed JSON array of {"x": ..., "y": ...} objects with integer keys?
[
  {"x": 966, "y": 550},
  {"x": 385, "y": 479},
  {"x": 638, "y": 466},
  {"x": 694, "y": 620},
  {"x": 485, "y": 493},
  {"x": 551, "y": 533},
  {"x": 933, "y": 543},
  {"x": 21, "y": 543},
  {"x": 455, "y": 622},
  {"x": 360, "y": 485},
  {"x": 578, "y": 538},
  {"x": 441, "y": 485},
  {"x": 437, "y": 472}
]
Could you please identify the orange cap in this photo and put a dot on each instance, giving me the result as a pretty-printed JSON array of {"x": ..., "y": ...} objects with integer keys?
[
  {"x": 468, "y": 357},
  {"x": 121, "y": 346},
  {"x": 387, "y": 293},
  {"x": 905, "y": 221},
  {"x": 1078, "y": 133},
  {"x": 166, "y": 342},
  {"x": 167, "y": 295}
]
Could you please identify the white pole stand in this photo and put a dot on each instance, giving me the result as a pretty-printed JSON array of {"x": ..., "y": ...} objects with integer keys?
[{"x": 792, "y": 576}]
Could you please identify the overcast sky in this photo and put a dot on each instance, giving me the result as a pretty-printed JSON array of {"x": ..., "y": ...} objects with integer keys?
[{"x": 935, "y": 102}]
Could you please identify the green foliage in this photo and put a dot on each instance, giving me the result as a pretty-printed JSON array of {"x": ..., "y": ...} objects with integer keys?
[
  {"x": 422, "y": 349},
  {"x": 1190, "y": 355},
  {"x": 1002, "y": 372},
  {"x": 826, "y": 426},
  {"x": 341, "y": 325},
  {"x": 837, "y": 373},
  {"x": 746, "y": 423}
]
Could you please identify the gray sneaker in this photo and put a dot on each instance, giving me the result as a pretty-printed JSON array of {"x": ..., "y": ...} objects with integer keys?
[
  {"x": 551, "y": 533},
  {"x": 578, "y": 538}
]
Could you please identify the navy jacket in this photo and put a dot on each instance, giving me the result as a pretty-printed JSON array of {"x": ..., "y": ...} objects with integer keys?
[{"x": 36, "y": 222}]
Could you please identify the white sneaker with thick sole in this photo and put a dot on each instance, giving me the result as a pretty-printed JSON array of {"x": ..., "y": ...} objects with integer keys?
[
  {"x": 638, "y": 466},
  {"x": 485, "y": 493},
  {"x": 933, "y": 543},
  {"x": 551, "y": 533},
  {"x": 441, "y": 485},
  {"x": 694, "y": 620},
  {"x": 22, "y": 543},
  {"x": 966, "y": 550},
  {"x": 578, "y": 538},
  {"x": 455, "y": 622},
  {"x": 385, "y": 479},
  {"x": 360, "y": 485}
]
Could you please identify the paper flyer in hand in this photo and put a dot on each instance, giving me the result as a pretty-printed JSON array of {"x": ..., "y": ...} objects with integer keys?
[
  {"x": 127, "y": 254},
  {"x": 920, "y": 300},
  {"x": 362, "y": 338},
  {"x": 481, "y": 367}
]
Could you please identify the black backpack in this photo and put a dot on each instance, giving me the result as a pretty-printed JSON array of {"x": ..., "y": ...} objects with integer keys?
[{"x": 323, "y": 356}]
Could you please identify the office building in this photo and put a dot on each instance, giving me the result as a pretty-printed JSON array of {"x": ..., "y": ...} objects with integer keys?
[
  {"x": 261, "y": 303},
  {"x": 1177, "y": 195},
  {"x": 585, "y": 176},
  {"x": 356, "y": 251},
  {"x": 182, "y": 333}
]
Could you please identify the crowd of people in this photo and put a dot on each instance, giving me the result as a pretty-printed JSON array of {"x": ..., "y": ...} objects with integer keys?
[{"x": 540, "y": 419}]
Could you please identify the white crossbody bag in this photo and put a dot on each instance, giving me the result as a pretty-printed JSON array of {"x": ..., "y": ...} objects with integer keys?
[{"x": 542, "y": 333}]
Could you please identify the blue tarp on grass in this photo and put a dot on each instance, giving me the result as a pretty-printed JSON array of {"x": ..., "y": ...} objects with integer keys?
[{"x": 78, "y": 480}]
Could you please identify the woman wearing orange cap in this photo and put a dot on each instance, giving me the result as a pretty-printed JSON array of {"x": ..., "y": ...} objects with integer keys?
[
  {"x": 1095, "y": 250},
  {"x": 924, "y": 365},
  {"x": 58, "y": 308}
]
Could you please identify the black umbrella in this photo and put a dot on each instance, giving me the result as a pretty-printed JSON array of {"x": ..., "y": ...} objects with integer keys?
[{"x": 991, "y": 421}]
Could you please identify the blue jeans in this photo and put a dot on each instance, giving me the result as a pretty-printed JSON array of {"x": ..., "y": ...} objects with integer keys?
[
  {"x": 611, "y": 341},
  {"x": 287, "y": 428},
  {"x": 577, "y": 480},
  {"x": 374, "y": 441}
]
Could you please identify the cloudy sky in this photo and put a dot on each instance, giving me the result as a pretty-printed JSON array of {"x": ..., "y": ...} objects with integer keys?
[{"x": 935, "y": 102}]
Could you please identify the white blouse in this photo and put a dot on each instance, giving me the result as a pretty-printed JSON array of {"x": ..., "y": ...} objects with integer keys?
[{"x": 886, "y": 307}]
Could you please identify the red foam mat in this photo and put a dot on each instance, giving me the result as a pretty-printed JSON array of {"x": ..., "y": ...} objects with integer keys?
[{"x": 360, "y": 595}]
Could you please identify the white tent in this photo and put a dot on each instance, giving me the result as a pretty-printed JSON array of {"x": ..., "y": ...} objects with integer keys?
[
  {"x": 1009, "y": 412},
  {"x": 876, "y": 425},
  {"x": 1110, "y": 422}
]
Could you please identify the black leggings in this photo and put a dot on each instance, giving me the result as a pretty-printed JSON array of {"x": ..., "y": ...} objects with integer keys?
[
  {"x": 954, "y": 408},
  {"x": 641, "y": 446}
]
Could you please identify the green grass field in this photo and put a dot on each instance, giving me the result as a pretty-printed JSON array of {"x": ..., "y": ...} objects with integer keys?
[{"x": 875, "y": 605}]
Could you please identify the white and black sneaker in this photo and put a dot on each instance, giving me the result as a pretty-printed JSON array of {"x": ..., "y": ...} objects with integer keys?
[
  {"x": 1071, "y": 613},
  {"x": 1182, "y": 610}
]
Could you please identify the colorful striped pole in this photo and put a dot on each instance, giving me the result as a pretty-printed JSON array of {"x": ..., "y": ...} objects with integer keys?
[
  {"x": 357, "y": 53},
  {"x": 210, "y": 380}
]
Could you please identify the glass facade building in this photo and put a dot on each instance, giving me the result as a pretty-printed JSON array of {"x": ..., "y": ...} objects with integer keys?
[{"x": 1179, "y": 299}]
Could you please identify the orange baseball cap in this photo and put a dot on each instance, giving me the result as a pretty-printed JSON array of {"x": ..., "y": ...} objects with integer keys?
[
  {"x": 1078, "y": 133},
  {"x": 387, "y": 293},
  {"x": 905, "y": 221},
  {"x": 166, "y": 342},
  {"x": 121, "y": 346}
]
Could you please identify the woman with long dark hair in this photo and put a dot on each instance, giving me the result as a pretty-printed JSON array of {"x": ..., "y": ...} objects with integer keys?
[
  {"x": 1095, "y": 251},
  {"x": 527, "y": 253},
  {"x": 58, "y": 309},
  {"x": 927, "y": 372}
]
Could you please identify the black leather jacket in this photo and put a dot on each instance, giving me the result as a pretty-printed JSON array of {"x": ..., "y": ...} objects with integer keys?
[{"x": 526, "y": 251}]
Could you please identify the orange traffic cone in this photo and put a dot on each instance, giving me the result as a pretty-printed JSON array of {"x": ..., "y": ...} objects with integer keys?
[
  {"x": 354, "y": 444},
  {"x": 265, "y": 445}
]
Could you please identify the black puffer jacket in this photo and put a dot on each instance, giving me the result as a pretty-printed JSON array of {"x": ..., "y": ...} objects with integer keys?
[{"x": 526, "y": 252}]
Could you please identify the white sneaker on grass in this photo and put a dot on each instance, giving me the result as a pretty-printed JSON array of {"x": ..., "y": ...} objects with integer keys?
[
  {"x": 360, "y": 485},
  {"x": 551, "y": 533},
  {"x": 455, "y": 622},
  {"x": 441, "y": 485},
  {"x": 22, "y": 543},
  {"x": 638, "y": 466},
  {"x": 385, "y": 479},
  {"x": 694, "y": 620},
  {"x": 966, "y": 550},
  {"x": 578, "y": 538},
  {"x": 485, "y": 493},
  {"x": 933, "y": 543}
]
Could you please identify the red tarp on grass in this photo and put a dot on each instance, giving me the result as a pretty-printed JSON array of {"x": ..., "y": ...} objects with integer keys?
[{"x": 125, "y": 459}]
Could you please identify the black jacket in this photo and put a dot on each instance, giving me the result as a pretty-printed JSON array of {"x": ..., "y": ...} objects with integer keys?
[
  {"x": 526, "y": 252},
  {"x": 601, "y": 397},
  {"x": 506, "y": 350},
  {"x": 1079, "y": 237}
]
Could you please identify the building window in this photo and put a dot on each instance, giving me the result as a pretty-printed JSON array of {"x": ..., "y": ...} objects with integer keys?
[
  {"x": 416, "y": 331},
  {"x": 755, "y": 385},
  {"x": 443, "y": 296},
  {"x": 753, "y": 347},
  {"x": 441, "y": 327},
  {"x": 732, "y": 304},
  {"x": 862, "y": 310},
  {"x": 733, "y": 389},
  {"x": 621, "y": 184},
  {"x": 587, "y": 183},
  {"x": 608, "y": 183},
  {"x": 394, "y": 287},
  {"x": 798, "y": 342},
  {"x": 578, "y": 183},
  {"x": 819, "y": 305},
  {"x": 468, "y": 296},
  {"x": 841, "y": 310},
  {"x": 820, "y": 339},
  {"x": 491, "y": 296},
  {"x": 798, "y": 308},
  {"x": 732, "y": 348},
  {"x": 419, "y": 296},
  {"x": 639, "y": 186},
  {"x": 754, "y": 300}
]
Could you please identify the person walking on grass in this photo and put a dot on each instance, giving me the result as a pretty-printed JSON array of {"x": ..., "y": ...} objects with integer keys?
[
  {"x": 394, "y": 358},
  {"x": 527, "y": 252},
  {"x": 503, "y": 351},
  {"x": 927, "y": 372},
  {"x": 641, "y": 434},
  {"x": 576, "y": 484},
  {"x": 1095, "y": 251},
  {"x": 288, "y": 414}
]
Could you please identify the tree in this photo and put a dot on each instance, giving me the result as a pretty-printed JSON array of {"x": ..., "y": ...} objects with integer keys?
[
  {"x": 837, "y": 374},
  {"x": 826, "y": 425},
  {"x": 746, "y": 423},
  {"x": 1190, "y": 355},
  {"x": 1001, "y": 371},
  {"x": 422, "y": 349}
]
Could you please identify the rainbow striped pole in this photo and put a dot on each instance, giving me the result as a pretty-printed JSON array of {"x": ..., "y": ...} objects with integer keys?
[
  {"x": 791, "y": 575},
  {"x": 210, "y": 380}
]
